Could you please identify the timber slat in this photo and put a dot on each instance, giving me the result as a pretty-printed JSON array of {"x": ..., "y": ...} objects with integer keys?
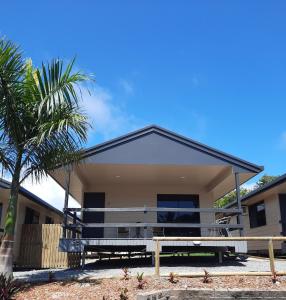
[{"x": 39, "y": 248}]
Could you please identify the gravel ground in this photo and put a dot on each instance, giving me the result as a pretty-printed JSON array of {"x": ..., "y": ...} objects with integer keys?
[
  {"x": 179, "y": 265},
  {"x": 110, "y": 289}
]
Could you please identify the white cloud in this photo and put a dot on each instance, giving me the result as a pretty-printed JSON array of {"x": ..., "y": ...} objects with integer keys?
[
  {"x": 49, "y": 191},
  {"x": 127, "y": 86},
  {"x": 106, "y": 117},
  {"x": 249, "y": 186}
]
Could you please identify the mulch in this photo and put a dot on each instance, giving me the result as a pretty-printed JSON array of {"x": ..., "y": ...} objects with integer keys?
[{"x": 110, "y": 289}]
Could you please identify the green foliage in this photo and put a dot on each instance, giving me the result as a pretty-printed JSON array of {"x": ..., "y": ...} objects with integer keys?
[
  {"x": 264, "y": 180},
  {"x": 230, "y": 197},
  {"x": 42, "y": 125},
  {"x": 8, "y": 287}
]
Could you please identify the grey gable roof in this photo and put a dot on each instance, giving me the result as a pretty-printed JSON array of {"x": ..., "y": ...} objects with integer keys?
[
  {"x": 177, "y": 138},
  {"x": 7, "y": 185}
]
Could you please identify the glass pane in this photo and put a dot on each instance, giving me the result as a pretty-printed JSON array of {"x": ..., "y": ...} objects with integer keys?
[
  {"x": 257, "y": 215},
  {"x": 179, "y": 201}
]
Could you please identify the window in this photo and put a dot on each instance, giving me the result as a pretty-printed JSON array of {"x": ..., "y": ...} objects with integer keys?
[
  {"x": 49, "y": 220},
  {"x": 244, "y": 210},
  {"x": 179, "y": 201},
  {"x": 32, "y": 216},
  {"x": 257, "y": 215}
]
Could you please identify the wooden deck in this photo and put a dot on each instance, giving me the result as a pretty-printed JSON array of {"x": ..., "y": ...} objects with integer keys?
[
  {"x": 78, "y": 245},
  {"x": 146, "y": 230}
]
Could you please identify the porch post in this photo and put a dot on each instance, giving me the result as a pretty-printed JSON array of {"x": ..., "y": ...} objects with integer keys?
[
  {"x": 238, "y": 200},
  {"x": 66, "y": 203}
]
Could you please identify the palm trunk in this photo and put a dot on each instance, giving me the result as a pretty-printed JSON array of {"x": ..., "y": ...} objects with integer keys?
[{"x": 7, "y": 244}]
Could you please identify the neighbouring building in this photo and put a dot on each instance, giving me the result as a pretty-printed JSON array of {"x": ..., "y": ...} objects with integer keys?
[
  {"x": 264, "y": 214},
  {"x": 30, "y": 210}
]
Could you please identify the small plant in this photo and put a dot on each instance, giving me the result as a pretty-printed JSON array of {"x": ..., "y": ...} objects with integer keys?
[
  {"x": 240, "y": 280},
  {"x": 173, "y": 278},
  {"x": 126, "y": 273},
  {"x": 207, "y": 278},
  {"x": 8, "y": 287},
  {"x": 123, "y": 295},
  {"x": 141, "y": 280}
]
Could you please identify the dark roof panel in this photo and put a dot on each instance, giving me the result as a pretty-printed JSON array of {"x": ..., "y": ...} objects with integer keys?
[{"x": 175, "y": 137}]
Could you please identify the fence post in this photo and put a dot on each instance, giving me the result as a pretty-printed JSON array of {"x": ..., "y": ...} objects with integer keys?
[
  {"x": 271, "y": 257},
  {"x": 157, "y": 259}
]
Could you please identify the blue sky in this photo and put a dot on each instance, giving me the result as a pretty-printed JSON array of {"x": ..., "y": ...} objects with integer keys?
[{"x": 214, "y": 71}]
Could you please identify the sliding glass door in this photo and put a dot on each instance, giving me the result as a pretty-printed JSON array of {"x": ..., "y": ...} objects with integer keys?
[{"x": 179, "y": 201}]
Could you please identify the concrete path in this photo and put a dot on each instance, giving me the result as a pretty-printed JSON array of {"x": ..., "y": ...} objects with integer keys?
[{"x": 113, "y": 268}]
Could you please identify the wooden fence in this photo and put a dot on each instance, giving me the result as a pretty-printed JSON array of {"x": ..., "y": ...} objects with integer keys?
[
  {"x": 270, "y": 240},
  {"x": 39, "y": 248}
]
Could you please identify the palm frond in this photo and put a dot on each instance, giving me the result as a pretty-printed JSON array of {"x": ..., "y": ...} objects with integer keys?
[
  {"x": 57, "y": 85},
  {"x": 12, "y": 70}
]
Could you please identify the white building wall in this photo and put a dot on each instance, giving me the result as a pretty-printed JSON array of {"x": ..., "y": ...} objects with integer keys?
[{"x": 139, "y": 195}]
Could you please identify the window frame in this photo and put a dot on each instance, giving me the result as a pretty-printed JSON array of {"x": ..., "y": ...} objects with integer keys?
[
  {"x": 179, "y": 201},
  {"x": 254, "y": 217},
  {"x": 35, "y": 215}
]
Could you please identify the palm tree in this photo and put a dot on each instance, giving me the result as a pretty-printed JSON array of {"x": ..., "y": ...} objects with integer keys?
[{"x": 41, "y": 125}]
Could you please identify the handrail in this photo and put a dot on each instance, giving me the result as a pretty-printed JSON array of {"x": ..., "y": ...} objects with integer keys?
[
  {"x": 75, "y": 217},
  {"x": 219, "y": 238},
  {"x": 169, "y": 225},
  {"x": 270, "y": 240},
  {"x": 156, "y": 209}
]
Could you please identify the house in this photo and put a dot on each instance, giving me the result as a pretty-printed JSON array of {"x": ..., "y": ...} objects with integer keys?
[
  {"x": 30, "y": 210},
  {"x": 147, "y": 183},
  {"x": 264, "y": 214}
]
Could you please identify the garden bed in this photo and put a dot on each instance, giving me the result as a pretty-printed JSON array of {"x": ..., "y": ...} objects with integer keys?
[{"x": 110, "y": 289}]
